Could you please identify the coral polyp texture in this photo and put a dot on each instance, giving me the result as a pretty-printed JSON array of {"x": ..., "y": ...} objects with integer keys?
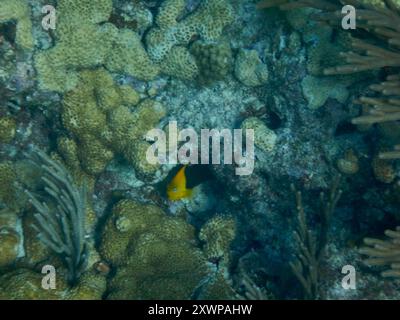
[
  {"x": 105, "y": 119},
  {"x": 207, "y": 22},
  {"x": 19, "y": 11},
  {"x": 77, "y": 46},
  {"x": 199, "y": 149},
  {"x": 145, "y": 244}
]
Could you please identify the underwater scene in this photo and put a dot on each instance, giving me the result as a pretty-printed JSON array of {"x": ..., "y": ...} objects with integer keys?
[{"x": 199, "y": 149}]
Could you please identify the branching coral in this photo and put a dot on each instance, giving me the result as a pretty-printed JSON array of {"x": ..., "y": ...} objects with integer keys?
[
  {"x": 311, "y": 249},
  {"x": 62, "y": 231},
  {"x": 384, "y": 252}
]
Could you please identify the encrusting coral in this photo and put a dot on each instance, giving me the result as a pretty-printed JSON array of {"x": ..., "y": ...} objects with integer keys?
[
  {"x": 19, "y": 11},
  {"x": 249, "y": 69},
  {"x": 8, "y": 191},
  {"x": 264, "y": 137},
  {"x": 155, "y": 255},
  {"x": 10, "y": 240},
  {"x": 217, "y": 234},
  {"x": 7, "y": 129},
  {"x": 214, "y": 61},
  {"x": 26, "y": 284}
]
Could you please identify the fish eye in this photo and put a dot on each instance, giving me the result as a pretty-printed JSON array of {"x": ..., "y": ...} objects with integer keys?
[{"x": 174, "y": 189}]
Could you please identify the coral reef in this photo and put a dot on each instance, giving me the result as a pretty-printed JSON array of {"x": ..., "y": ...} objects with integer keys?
[
  {"x": 8, "y": 192},
  {"x": 311, "y": 249},
  {"x": 213, "y": 60},
  {"x": 264, "y": 138},
  {"x": 7, "y": 129},
  {"x": 384, "y": 252},
  {"x": 76, "y": 47},
  {"x": 87, "y": 92},
  {"x": 25, "y": 284},
  {"x": 64, "y": 232},
  {"x": 207, "y": 22},
  {"x": 249, "y": 69},
  {"x": 154, "y": 254},
  {"x": 98, "y": 115},
  {"x": 19, "y": 11}
]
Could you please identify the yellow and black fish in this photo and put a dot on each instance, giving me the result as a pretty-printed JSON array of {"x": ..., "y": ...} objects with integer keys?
[{"x": 185, "y": 179}]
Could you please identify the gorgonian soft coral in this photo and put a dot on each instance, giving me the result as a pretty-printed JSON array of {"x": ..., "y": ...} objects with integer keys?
[{"x": 379, "y": 50}]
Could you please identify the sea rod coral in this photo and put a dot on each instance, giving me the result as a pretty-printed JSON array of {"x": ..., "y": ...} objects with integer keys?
[
  {"x": 380, "y": 51},
  {"x": 62, "y": 231}
]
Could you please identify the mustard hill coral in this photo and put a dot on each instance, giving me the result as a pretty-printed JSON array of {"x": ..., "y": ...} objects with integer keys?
[
  {"x": 19, "y": 11},
  {"x": 206, "y": 22},
  {"x": 264, "y": 138},
  {"x": 10, "y": 240},
  {"x": 102, "y": 119},
  {"x": 25, "y": 284},
  {"x": 128, "y": 56},
  {"x": 8, "y": 191},
  {"x": 214, "y": 61},
  {"x": 7, "y": 129},
  {"x": 154, "y": 254},
  {"x": 217, "y": 234},
  {"x": 81, "y": 26},
  {"x": 179, "y": 63}
]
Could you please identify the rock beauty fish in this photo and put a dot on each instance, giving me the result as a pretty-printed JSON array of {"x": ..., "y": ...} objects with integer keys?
[{"x": 177, "y": 189}]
